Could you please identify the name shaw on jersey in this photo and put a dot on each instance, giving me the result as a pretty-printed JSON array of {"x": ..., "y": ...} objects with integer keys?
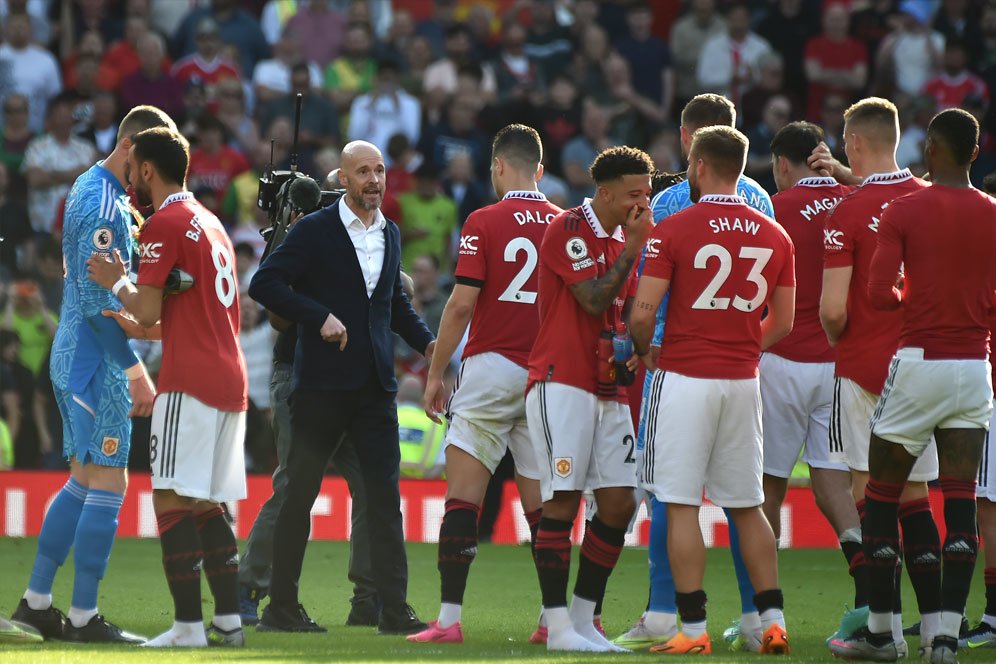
[{"x": 722, "y": 224}]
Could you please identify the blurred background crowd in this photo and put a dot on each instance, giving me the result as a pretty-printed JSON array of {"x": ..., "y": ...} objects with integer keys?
[{"x": 429, "y": 82}]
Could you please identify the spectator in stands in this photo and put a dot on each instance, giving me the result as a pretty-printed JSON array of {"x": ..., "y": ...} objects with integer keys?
[
  {"x": 385, "y": 111},
  {"x": 914, "y": 119},
  {"x": 665, "y": 150},
  {"x": 275, "y": 15},
  {"x": 480, "y": 22},
  {"x": 582, "y": 150},
  {"x": 400, "y": 35},
  {"x": 49, "y": 272},
  {"x": 102, "y": 127},
  {"x": 777, "y": 113},
  {"x": 27, "y": 315},
  {"x": 912, "y": 53},
  {"x": 437, "y": 27},
  {"x": 205, "y": 65},
  {"x": 788, "y": 27},
  {"x": 688, "y": 35},
  {"x": 959, "y": 19},
  {"x": 459, "y": 133},
  {"x": 415, "y": 62},
  {"x": 52, "y": 163},
  {"x": 548, "y": 43},
  {"x": 430, "y": 219},
  {"x": 15, "y": 229},
  {"x": 832, "y": 121},
  {"x": 771, "y": 82},
  {"x": 636, "y": 116},
  {"x": 256, "y": 338},
  {"x": 648, "y": 55},
  {"x": 91, "y": 46},
  {"x": 15, "y": 136},
  {"x": 519, "y": 79},
  {"x": 319, "y": 120},
  {"x": 41, "y": 30},
  {"x": 242, "y": 129},
  {"x": 213, "y": 164},
  {"x": 466, "y": 190},
  {"x": 428, "y": 296},
  {"x": 352, "y": 73},
  {"x": 836, "y": 63},
  {"x": 152, "y": 83},
  {"x": 235, "y": 26},
  {"x": 589, "y": 62},
  {"x": 729, "y": 64},
  {"x": 271, "y": 79},
  {"x": 84, "y": 17},
  {"x": 239, "y": 204},
  {"x": 17, "y": 386},
  {"x": 122, "y": 58},
  {"x": 441, "y": 76},
  {"x": 559, "y": 119},
  {"x": 322, "y": 29},
  {"x": 83, "y": 92},
  {"x": 29, "y": 69},
  {"x": 403, "y": 161},
  {"x": 585, "y": 14},
  {"x": 956, "y": 82},
  {"x": 195, "y": 103}
]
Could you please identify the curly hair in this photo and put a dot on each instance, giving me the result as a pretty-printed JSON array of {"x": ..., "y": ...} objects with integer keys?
[{"x": 614, "y": 163}]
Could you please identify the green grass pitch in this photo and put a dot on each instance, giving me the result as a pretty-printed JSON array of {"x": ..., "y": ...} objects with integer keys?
[{"x": 500, "y": 613}]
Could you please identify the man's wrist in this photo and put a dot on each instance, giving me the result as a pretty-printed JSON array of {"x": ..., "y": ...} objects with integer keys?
[
  {"x": 123, "y": 282},
  {"x": 135, "y": 372}
]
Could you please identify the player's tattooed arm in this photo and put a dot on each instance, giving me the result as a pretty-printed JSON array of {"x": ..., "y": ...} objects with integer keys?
[{"x": 595, "y": 295}]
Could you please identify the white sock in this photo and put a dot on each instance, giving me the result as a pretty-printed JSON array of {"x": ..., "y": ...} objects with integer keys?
[
  {"x": 449, "y": 614},
  {"x": 80, "y": 617},
  {"x": 582, "y": 613},
  {"x": 180, "y": 635},
  {"x": 693, "y": 629},
  {"x": 557, "y": 618},
  {"x": 897, "y": 627},
  {"x": 750, "y": 621},
  {"x": 38, "y": 601},
  {"x": 660, "y": 623},
  {"x": 227, "y": 622},
  {"x": 950, "y": 624},
  {"x": 989, "y": 620},
  {"x": 772, "y": 617},
  {"x": 929, "y": 624},
  {"x": 879, "y": 623}
]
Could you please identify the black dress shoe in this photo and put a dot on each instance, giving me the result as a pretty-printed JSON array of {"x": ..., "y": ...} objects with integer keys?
[
  {"x": 100, "y": 630},
  {"x": 400, "y": 620},
  {"x": 363, "y": 614},
  {"x": 50, "y": 622},
  {"x": 277, "y": 618}
]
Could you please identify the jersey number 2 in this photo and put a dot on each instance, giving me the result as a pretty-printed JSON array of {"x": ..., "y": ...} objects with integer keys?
[
  {"x": 224, "y": 280},
  {"x": 514, "y": 292},
  {"x": 708, "y": 300}
]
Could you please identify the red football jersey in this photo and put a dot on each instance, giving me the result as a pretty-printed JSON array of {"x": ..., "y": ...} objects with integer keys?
[
  {"x": 215, "y": 171},
  {"x": 724, "y": 260},
  {"x": 575, "y": 248},
  {"x": 871, "y": 337},
  {"x": 201, "y": 352},
  {"x": 945, "y": 239},
  {"x": 195, "y": 68},
  {"x": 499, "y": 252},
  {"x": 950, "y": 92},
  {"x": 802, "y": 211}
]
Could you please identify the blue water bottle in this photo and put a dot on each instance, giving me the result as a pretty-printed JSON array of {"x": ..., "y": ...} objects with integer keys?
[{"x": 622, "y": 350}]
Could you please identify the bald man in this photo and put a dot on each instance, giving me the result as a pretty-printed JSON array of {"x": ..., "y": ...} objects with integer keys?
[{"x": 338, "y": 277}]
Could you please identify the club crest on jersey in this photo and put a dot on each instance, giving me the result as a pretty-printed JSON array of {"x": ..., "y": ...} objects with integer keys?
[
  {"x": 110, "y": 446},
  {"x": 103, "y": 238},
  {"x": 577, "y": 249},
  {"x": 563, "y": 466}
]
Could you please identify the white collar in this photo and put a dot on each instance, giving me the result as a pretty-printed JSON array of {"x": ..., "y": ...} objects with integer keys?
[
  {"x": 596, "y": 225},
  {"x": 522, "y": 193},
  {"x": 816, "y": 181},
  {"x": 348, "y": 216},
  {"x": 888, "y": 178},
  {"x": 723, "y": 199},
  {"x": 177, "y": 197}
]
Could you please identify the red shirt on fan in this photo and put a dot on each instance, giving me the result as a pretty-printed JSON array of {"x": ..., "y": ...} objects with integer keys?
[
  {"x": 836, "y": 56},
  {"x": 951, "y": 91},
  {"x": 713, "y": 330},
  {"x": 575, "y": 248},
  {"x": 802, "y": 211},
  {"x": 194, "y": 68},
  {"x": 215, "y": 171},
  {"x": 201, "y": 353},
  {"x": 871, "y": 337},
  {"x": 945, "y": 239},
  {"x": 499, "y": 249}
]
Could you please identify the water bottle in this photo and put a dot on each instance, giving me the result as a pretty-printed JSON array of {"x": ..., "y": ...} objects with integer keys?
[{"x": 622, "y": 350}]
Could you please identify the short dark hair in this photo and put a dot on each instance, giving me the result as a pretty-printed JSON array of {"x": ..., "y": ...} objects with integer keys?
[
  {"x": 141, "y": 118},
  {"x": 796, "y": 141},
  {"x": 724, "y": 148},
  {"x": 207, "y": 121},
  {"x": 958, "y": 130},
  {"x": 707, "y": 110},
  {"x": 397, "y": 145},
  {"x": 167, "y": 150},
  {"x": 519, "y": 144},
  {"x": 614, "y": 163},
  {"x": 662, "y": 180}
]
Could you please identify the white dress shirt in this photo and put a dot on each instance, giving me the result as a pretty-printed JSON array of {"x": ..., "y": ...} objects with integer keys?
[{"x": 368, "y": 242}]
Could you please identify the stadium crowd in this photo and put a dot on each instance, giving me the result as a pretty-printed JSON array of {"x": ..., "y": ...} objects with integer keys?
[{"x": 428, "y": 83}]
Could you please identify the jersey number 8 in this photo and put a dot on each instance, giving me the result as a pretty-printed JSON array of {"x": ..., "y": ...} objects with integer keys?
[
  {"x": 708, "y": 300},
  {"x": 224, "y": 280}
]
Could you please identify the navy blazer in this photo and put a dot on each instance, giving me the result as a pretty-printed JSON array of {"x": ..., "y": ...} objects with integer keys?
[{"x": 315, "y": 272}]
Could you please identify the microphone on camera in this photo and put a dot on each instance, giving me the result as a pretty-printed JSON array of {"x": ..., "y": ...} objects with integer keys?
[{"x": 304, "y": 194}]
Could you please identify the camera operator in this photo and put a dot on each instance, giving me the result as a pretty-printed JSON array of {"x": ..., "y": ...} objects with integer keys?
[{"x": 336, "y": 273}]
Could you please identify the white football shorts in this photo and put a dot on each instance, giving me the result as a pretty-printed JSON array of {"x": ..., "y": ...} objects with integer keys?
[
  {"x": 850, "y": 431},
  {"x": 196, "y": 450},
  {"x": 580, "y": 441},
  {"x": 487, "y": 413},
  {"x": 986, "y": 484},
  {"x": 704, "y": 434},
  {"x": 796, "y": 399}
]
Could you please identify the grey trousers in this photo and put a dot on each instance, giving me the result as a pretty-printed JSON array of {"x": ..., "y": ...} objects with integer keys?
[{"x": 255, "y": 564}]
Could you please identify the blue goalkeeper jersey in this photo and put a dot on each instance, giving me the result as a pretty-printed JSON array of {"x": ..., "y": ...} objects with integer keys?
[{"x": 97, "y": 221}]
